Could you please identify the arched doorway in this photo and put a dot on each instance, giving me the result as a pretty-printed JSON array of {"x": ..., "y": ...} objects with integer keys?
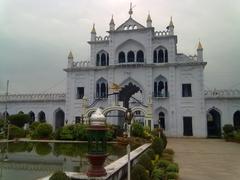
[
  {"x": 236, "y": 120},
  {"x": 59, "y": 118},
  {"x": 161, "y": 119},
  {"x": 32, "y": 117},
  {"x": 213, "y": 123},
  {"x": 41, "y": 117}
]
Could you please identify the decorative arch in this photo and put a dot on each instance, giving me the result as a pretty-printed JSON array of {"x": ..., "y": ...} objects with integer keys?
[
  {"x": 141, "y": 109},
  {"x": 101, "y": 88},
  {"x": 41, "y": 116},
  {"x": 32, "y": 116},
  {"x": 160, "y": 87},
  {"x": 113, "y": 108},
  {"x": 102, "y": 58},
  {"x": 133, "y": 81},
  {"x": 59, "y": 117},
  {"x": 130, "y": 56},
  {"x": 140, "y": 56},
  {"x": 236, "y": 120},
  {"x": 121, "y": 57},
  {"x": 161, "y": 115},
  {"x": 214, "y": 122},
  {"x": 160, "y": 55}
]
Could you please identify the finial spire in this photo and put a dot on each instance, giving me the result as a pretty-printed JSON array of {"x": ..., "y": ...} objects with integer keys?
[
  {"x": 70, "y": 56},
  {"x": 149, "y": 17},
  {"x": 130, "y": 12},
  {"x": 199, "y": 46},
  {"x": 112, "y": 21},
  {"x": 93, "y": 29},
  {"x": 171, "y": 22}
]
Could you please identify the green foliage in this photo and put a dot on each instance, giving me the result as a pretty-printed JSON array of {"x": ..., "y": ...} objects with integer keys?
[
  {"x": 145, "y": 161},
  {"x": 19, "y": 119},
  {"x": 164, "y": 139},
  {"x": 109, "y": 135},
  {"x": 168, "y": 151},
  {"x": 117, "y": 130},
  {"x": 59, "y": 175},
  {"x": 158, "y": 174},
  {"x": 228, "y": 128},
  {"x": 70, "y": 149},
  {"x": 137, "y": 130},
  {"x": 157, "y": 145},
  {"x": 139, "y": 173},
  {"x": 163, "y": 164},
  {"x": 172, "y": 167},
  {"x": 34, "y": 125},
  {"x": 44, "y": 130},
  {"x": 17, "y": 147},
  {"x": 167, "y": 156},
  {"x": 43, "y": 149},
  {"x": 80, "y": 132},
  {"x": 66, "y": 133},
  {"x": 237, "y": 135},
  {"x": 16, "y": 132},
  {"x": 172, "y": 175},
  {"x": 150, "y": 153},
  {"x": 1, "y": 123}
]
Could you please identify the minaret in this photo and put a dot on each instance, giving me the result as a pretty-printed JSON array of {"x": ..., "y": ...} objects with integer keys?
[
  {"x": 199, "y": 52},
  {"x": 70, "y": 59},
  {"x": 171, "y": 27},
  {"x": 112, "y": 25},
  {"x": 149, "y": 21},
  {"x": 93, "y": 33}
]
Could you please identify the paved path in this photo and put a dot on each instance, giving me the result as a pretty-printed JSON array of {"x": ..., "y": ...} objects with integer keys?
[{"x": 206, "y": 159}]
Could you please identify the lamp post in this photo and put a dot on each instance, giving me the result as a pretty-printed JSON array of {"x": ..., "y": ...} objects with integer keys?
[
  {"x": 128, "y": 119},
  {"x": 97, "y": 144}
]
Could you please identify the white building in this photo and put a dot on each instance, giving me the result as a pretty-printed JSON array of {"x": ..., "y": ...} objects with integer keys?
[{"x": 158, "y": 83}]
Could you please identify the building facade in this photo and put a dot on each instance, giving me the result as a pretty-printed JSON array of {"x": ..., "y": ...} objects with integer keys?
[{"x": 163, "y": 87}]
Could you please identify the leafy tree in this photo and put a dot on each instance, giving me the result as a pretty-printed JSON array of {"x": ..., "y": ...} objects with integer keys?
[
  {"x": 16, "y": 132},
  {"x": 19, "y": 119},
  {"x": 44, "y": 130}
]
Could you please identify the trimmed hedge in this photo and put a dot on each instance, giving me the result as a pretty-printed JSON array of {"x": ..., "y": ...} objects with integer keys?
[
  {"x": 59, "y": 175},
  {"x": 157, "y": 145},
  {"x": 137, "y": 130},
  {"x": 139, "y": 173},
  {"x": 16, "y": 132},
  {"x": 44, "y": 130}
]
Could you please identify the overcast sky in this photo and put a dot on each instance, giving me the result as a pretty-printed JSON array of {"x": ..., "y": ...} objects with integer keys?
[{"x": 36, "y": 36}]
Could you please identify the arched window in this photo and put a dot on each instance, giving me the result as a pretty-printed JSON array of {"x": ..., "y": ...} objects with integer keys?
[
  {"x": 32, "y": 116},
  {"x": 140, "y": 56},
  {"x": 161, "y": 119},
  {"x": 107, "y": 59},
  {"x": 160, "y": 56},
  {"x": 130, "y": 56},
  {"x": 101, "y": 88},
  {"x": 236, "y": 120},
  {"x": 160, "y": 87},
  {"x": 121, "y": 57},
  {"x": 59, "y": 118},
  {"x": 103, "y": 60},
  {"x": 41, "y": 117},
  {"x": 155, "y": 56}
]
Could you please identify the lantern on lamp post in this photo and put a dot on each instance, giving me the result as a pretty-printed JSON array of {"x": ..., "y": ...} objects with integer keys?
[{"x": 97, "y": 144}]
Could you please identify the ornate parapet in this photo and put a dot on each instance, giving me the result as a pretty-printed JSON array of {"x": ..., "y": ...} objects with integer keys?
[
  {"x": 223, "y": 93},
  {"x": 100, "y": 38},
  {"x": 33, "y": 97},
  {"x": 161, "y": 33},
  {"x": 79, "y": 64}
]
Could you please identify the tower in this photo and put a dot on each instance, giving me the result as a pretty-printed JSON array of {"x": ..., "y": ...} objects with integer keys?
[
  {"x": 112, "y": 25},
  {"x": 199, "y": 52},
  {"x": 171, "y": 27},
  {"x": 93, "y": 33},
  {"x": 149, "y": 21},
  {"x": 70, "y": 59}
]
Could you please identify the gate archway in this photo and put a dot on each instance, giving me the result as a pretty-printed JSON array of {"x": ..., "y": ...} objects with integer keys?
[
  {"x": 59, "y": 118},
  {"x": 213, "y": 123},
  {"x": 236, "y": 119}
]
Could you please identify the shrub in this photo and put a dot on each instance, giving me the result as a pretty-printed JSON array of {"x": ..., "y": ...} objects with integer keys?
[
  {"x": 66, "y": 133},
  {"x": 139, "y": 173},
  {"x": 168, "y": 151},
  {"x": 80, "y": 131},
  {"x": 237, "y": 135},
  {"x": 228, "y": 128},
  {"x": 167, "y": 156},
  {"x": 164, "y": 139},
  {"x": 150, "y": 153},
  {"x": 145, "y": 161},
  {"x": 137, "y": 130},
  {"x": 109, "y": 135},
  {"x": 172, "y": 167},
  {"x": 59, "y": 175},
  {"x": 172, "y": 175},
  {"x": 43, "y": 149},
  {"x": 19, "y": 119},
  {"x": 158, "y": 174},
  {"x": 34, "y": 125},
  {"x": 163, "y": 164},
  {"x": 16, "y": 132},
  {"x": 157, "y": 145},
  {"x": 44, "y": 130}
]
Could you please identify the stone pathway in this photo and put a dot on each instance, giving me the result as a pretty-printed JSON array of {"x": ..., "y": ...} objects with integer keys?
[{"x": 206, "y": 159}]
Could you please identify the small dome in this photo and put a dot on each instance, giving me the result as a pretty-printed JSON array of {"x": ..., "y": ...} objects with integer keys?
[{"x": 97, "y": 118}]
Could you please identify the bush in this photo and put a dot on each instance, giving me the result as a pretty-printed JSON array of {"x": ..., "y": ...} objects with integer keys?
[
  {"x": 167, "y": 156},
  {"x": 44, "y": 130},
  {"x": 34, "y": 125},
  {"x": 228, "y": 128},
  {"x": 172, "y": 167},
  {"x": 43, "y": 149},
  {"x": 172, "y": 175},
  {"x": 16, "y": 132},
  {"x": 158, "y": 174},
  {"x": 150, "y": 153},
  {"x": 157, "y": 145},
  {"x": 137, "y": 130},
  {"x": 163, "y": 164},
  {"x": 145, "y": 161},
  {"x": 139, "y": 173},
  {"x": 237, "y": 135},
  {"x": 59, "y": 175},
  {"x": 19, "y": 119},
  {"x": 168, "y": 151},
  {"x": 164, "y": 139},
  {"x": 66, "y": 133},
  {"x": 80, "y": 132}
]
